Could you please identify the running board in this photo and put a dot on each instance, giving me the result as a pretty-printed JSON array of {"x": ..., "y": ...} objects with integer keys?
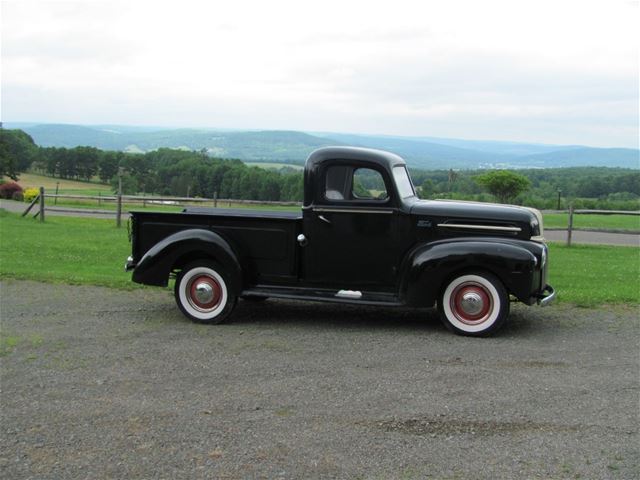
[{"x": 324, "y": 295}]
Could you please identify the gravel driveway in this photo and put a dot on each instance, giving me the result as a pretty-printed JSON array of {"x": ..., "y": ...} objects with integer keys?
[{"x": 100, "y": 383}]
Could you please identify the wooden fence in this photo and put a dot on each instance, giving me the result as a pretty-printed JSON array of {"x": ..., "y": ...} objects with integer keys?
[
  {"x": 573, "y": 212},
  {"x": 144, "y": 201}
]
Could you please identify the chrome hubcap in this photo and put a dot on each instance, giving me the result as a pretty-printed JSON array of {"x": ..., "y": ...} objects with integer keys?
[
  {"x": 203, "y": 293},
  {"x": 471, "y": 303}
]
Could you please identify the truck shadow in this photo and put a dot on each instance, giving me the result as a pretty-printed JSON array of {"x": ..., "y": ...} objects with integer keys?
[
  {"x": 282, "y": 312},
  {"x": 342, "y": 316}
]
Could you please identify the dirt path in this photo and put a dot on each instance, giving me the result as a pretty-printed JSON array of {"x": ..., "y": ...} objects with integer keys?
[{"x": 99, "y": 383}]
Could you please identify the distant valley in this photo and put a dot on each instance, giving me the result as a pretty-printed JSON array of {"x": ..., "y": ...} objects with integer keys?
[{"x": 292, "y": 147}]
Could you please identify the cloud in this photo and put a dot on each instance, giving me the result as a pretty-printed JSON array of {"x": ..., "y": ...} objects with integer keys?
[{"x": 531, "y": 70}]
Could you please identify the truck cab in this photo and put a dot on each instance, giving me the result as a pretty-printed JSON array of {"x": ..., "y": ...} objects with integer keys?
[{"x": 362, "y": 236}]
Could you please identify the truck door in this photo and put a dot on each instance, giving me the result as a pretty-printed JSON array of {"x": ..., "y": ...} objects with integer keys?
[{"x": 351, "y": 230}]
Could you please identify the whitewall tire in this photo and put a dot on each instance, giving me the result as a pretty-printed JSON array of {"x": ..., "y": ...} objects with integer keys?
[
  {"x": 203, "y": 293},
  {"x": 475, "y": 304}
]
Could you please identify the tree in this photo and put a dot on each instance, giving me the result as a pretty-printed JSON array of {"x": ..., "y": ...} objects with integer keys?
[
  {"x": 426, "y": 189},
  {"x": 17, "y": 152},
  {"x": 108, "y": 165},
  {"x": 503, "y": 184}
]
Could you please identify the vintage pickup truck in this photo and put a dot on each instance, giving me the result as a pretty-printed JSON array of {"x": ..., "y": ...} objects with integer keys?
[{"x": 361, "y": 237}]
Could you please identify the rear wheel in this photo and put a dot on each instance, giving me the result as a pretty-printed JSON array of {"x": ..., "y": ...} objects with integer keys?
[
  {"x": 203, "y": 293},
  {"x": 475, "y": 304}
]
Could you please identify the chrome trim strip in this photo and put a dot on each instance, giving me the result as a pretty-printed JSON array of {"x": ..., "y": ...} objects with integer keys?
[
  {"x": 350, "y": 210},
  {"x": 480, "y": 227}
]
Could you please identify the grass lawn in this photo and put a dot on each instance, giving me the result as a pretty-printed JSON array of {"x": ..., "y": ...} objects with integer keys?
[
  {"x": 591, "y": 275},
  {"x": 64, "y": 249},
  {"x": 616, "y": 222},
  {"x": 93, "y": 251}
]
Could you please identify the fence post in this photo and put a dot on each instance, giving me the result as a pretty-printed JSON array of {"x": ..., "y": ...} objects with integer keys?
[
  {"x": 215, "y": 199},
  {"x": 570, "y": 227},
  {"x": 119, "y": 200},
  {"x": 41, "y": 204},
  {"x": 55, "y": 200}
]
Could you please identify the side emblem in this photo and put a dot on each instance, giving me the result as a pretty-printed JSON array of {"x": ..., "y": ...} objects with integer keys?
[{"x": 424, "y": 223}]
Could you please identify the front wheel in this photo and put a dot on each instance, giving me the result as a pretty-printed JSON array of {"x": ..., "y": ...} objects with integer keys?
[
  {"x": 475, "y": 304},
  {"x": 203, "y": 293}
]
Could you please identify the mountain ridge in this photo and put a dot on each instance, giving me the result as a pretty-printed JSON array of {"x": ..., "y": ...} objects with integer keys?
[{"x": 289, "y": 146}]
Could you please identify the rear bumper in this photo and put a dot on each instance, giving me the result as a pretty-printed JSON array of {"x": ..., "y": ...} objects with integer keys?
[
  {"x": 129, "y": 264},
  {"x": 547, "y": 296}
]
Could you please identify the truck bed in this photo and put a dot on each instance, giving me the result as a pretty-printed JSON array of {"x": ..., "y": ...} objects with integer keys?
[{"x": 263, "y": 240}]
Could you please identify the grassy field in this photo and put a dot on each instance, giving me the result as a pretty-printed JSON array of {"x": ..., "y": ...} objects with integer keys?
[
  {"x": 64, "y": 249},
  {"x": 69, "y": 187},
  {"x": 615, "y": 222},
  {"x": 93, "y": 251}
]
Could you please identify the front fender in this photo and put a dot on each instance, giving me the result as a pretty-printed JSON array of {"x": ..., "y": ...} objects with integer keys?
[
  {"x": 156, "y": 265},
  {"x": 427, "y": 268}
]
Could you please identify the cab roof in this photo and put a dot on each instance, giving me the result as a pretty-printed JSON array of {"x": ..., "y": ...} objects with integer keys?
[{"x": 380, "y": 157}]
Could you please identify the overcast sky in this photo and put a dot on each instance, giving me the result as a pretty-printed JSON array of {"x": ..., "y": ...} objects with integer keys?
[{"x": 557, "y": 71}]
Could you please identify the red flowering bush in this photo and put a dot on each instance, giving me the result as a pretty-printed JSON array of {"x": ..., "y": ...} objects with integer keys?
[{"x": 8, "y": 189}]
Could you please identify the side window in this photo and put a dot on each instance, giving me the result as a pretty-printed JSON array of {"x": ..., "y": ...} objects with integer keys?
[
  {"x": 336, "y": 183},
  {"x": 368, "y": 185}
]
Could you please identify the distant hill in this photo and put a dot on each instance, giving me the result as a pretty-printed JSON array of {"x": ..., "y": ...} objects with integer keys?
[{"x": 294, "y": 147}]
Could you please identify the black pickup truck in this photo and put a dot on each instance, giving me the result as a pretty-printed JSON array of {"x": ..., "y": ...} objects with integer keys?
[{"x": 361, "y": 237}]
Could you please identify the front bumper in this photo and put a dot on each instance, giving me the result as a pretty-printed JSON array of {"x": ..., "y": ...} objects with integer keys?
[
  {"x": 129, "y": 264},
  {"x": 547, "y": 296}
]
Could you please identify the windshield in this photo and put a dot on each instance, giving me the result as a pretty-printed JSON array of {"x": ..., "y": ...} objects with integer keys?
[{"x": 405, "y": 188}]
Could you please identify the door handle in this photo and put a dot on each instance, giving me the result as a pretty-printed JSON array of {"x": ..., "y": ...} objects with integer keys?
[{"x": 324, "y": 219}]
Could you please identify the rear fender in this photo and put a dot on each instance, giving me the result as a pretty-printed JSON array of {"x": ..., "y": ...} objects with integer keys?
[
  {"x": 427, "y": 268},
  {"x": 187, "y": 245}
]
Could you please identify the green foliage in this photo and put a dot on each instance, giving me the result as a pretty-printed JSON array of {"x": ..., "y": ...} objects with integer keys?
[
  {"x": 108, "y": 165},
  {"x": 620, "y": 187},
  {"x": 169, "y": 171},
  {"x": 503, "y": 184},
  {"x": 17, "y": 152},
  {"x": 79, "y": 162}
]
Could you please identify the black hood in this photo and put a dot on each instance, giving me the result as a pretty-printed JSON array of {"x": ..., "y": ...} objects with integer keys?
[{"x": 450, "y": 211}]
